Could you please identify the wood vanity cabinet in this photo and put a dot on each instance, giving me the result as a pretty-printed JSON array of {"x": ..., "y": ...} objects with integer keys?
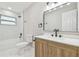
[
  {"x": 46, "y": 48},
  {"x": 61, "y": 50},
  {"x": 40, "y": 48},
  {"x": 78, "y": 52}
]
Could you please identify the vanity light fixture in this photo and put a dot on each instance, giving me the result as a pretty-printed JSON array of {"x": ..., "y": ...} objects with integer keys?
[
  {"x": 55, "y": 5},
  {"x": 68, "y": 4}
]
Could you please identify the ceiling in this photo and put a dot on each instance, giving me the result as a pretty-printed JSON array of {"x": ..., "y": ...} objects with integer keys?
[{"x": 16, "y": 6}]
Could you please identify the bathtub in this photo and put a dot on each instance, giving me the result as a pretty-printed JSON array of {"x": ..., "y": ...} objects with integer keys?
[
  {"x": 14, "y": 48},
  {"x": 12, "y": 43}
]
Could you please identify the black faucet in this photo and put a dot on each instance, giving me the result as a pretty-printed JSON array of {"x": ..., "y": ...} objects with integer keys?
[{"x": 56, "y": 30}]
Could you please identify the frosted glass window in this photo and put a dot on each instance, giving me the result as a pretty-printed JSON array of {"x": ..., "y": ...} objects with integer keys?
[
  {"x": 8, "y": 23},
  {"x": 6, "y": 20}
]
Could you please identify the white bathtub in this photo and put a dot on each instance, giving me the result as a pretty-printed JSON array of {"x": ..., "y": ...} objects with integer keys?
[
  {"x": 14, "y": 48},
  {"x": 11, "y": 43}
]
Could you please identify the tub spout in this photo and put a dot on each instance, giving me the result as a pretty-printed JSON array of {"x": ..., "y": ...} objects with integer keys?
[{"x": 20, "y": 35}]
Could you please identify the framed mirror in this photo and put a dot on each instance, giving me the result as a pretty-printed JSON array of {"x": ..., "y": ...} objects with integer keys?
[{"x": 63, "y": 17}]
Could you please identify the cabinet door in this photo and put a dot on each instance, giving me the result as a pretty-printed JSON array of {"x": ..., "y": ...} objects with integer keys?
[
  {"x": 78, "y": 52},
  {"x": 61, "y": 50},
  {"x": 67, "y": 52},
  {"x": 54, "y": 51},
  {"x": 40, "y": 48}
]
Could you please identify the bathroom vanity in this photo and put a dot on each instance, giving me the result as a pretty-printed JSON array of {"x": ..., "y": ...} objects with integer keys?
[
  {"x": 64, "y": 19},
  {"x": 56, "y": 47}
]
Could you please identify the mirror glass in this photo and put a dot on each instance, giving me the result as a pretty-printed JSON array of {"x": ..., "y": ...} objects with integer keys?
[{"x": 63, "y": 17}]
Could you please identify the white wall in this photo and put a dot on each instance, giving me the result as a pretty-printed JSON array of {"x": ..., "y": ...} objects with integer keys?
[
  {"x": 6, "y": 31},
  {"x": 32, "y": 17}
]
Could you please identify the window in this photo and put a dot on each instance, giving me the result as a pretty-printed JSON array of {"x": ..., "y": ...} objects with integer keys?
[{"x": 7, "y": 20}]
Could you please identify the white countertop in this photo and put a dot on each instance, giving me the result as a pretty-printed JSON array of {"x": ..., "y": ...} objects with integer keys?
[{"x": 69, "y": 41}]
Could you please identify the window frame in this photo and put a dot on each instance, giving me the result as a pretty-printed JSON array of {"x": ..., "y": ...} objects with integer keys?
[{"x": 8, "y": 20}]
